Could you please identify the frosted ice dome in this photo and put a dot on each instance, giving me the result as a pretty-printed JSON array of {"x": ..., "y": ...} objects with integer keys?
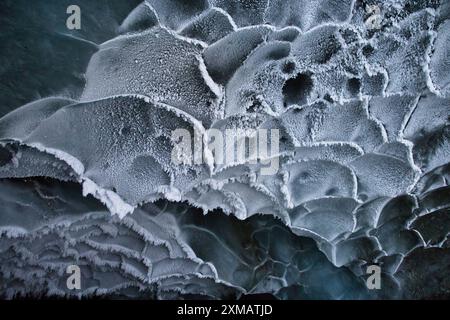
[{"x": 363, "y": 115}]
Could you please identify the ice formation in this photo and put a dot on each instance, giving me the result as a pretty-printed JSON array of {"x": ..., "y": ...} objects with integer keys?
[{"x": 363, "y": 111}]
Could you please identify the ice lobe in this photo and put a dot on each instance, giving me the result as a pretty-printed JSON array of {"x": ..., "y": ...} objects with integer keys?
[
  {"x": 141, "y": 18},
  {"x": 133, "y": 145},
  {"x": 363, "y": 116},
  {"x": 244, "y": 12},
  {"x": 439, "y": 62},
  {"x": 307, "y": 14},
  {"x": 168, "y": 71},
  {"x": 175, "y": 14},
  {"x": 210, "y": 26}
]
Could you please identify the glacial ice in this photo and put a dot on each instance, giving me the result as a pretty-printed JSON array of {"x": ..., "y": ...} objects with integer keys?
[{"x": 86, "y": 178}]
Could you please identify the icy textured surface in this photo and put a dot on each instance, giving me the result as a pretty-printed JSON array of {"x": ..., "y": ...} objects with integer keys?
[{"x": 86, "y": 175}]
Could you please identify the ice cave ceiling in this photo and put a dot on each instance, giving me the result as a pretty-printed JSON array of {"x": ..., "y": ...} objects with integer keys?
[{"x": 358, "y": 89}]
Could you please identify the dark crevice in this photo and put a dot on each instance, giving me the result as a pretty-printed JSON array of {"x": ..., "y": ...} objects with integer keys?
[{"x": 297, "y": 90}]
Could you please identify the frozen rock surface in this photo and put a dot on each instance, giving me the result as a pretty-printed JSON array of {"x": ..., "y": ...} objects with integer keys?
[{"x": 359, "y": 91}]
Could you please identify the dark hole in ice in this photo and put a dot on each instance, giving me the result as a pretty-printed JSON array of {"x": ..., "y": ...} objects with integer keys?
[
  {"x": 288, "y": 67},
  {"x": 125, "y": 130},
  {"x": 367, "y": 50},
  {"x": 5, "y": 156},
  {"x": 297, "y": 90},
  {"x": 353, "y": 86},
  {"x": 328, "y": 98}
]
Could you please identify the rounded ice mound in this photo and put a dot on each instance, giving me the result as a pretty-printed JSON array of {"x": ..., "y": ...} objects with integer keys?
[{"x": 362, "y": 169}]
